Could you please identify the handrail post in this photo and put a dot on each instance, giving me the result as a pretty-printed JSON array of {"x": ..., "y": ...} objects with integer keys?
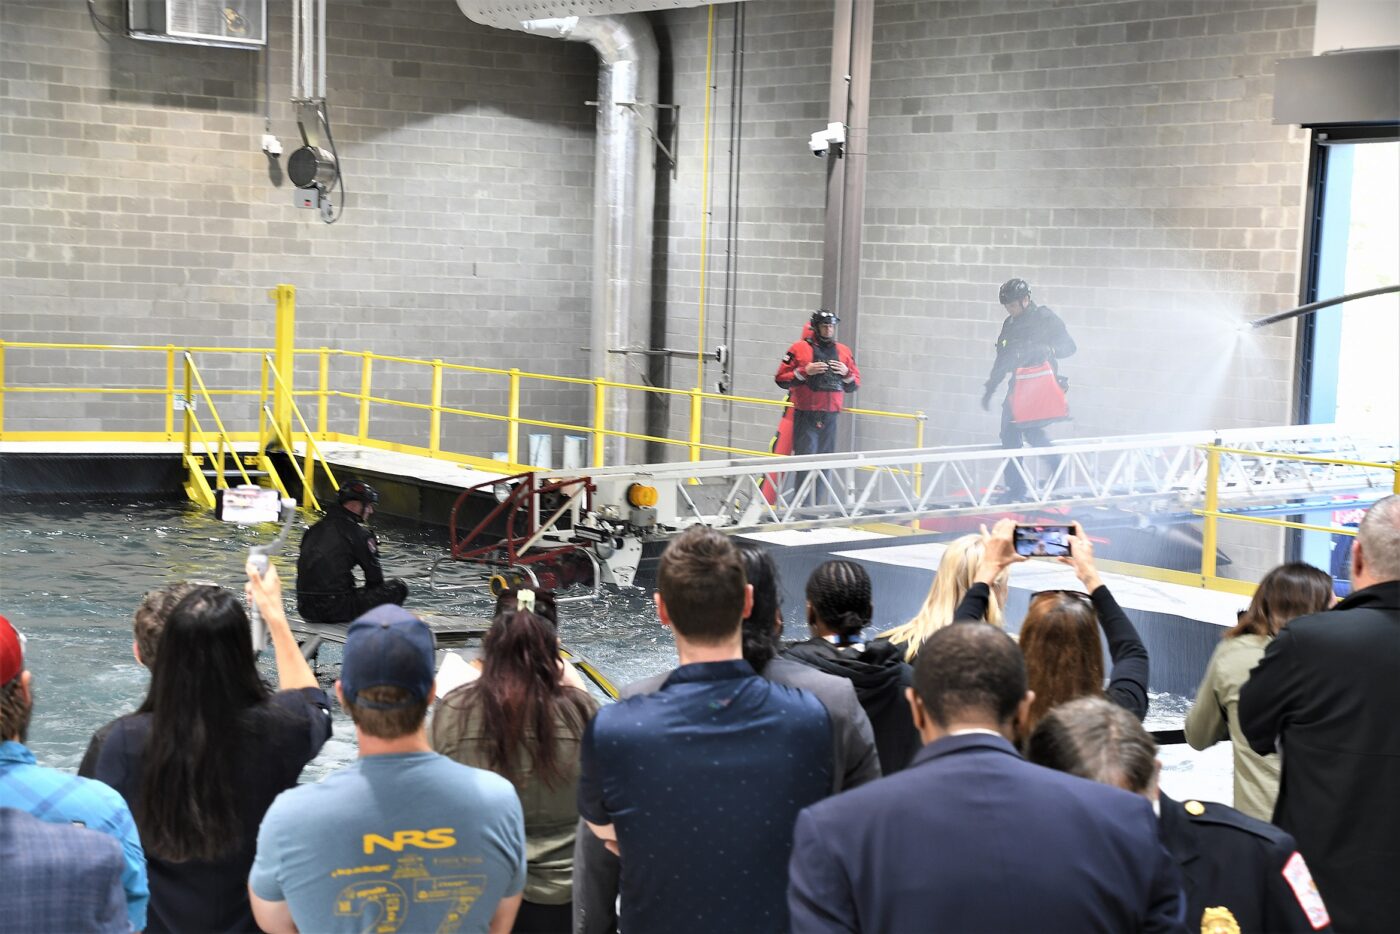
[
  {"x": 169, "y": 392},
  {"x": 435, "y": 417},
  {"x": 189, "y": 396},
  {"x": 1209, "y": 528},
  {"x": 262, "y": 408},
  {"x": 919, "y": 445},
  {"x": 1395, "y": 487},
  {"x": 323, "y": 387},
  {"x": 696, "y": 422},
  {"x": 365, "y": 362},
  {"x": 513, "y": 418},
  {"x": 284, "y": 354},
  {"x": 2, "y": 388},
  {"x": 599, "y": 411}
]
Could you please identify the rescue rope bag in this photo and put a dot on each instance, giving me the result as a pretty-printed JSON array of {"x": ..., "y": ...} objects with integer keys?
[{"x": 1036, "y": 395}]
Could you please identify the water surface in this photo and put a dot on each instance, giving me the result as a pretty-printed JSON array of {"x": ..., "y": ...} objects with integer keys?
[{"x": 71, "y": 575}]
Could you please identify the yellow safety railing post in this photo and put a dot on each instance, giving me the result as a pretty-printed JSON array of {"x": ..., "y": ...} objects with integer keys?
[
  {"x": 189, "y": 398},
  {"x": 1395, "y": 487},
  {"x": 696, "y": 423},
  {"x": 2, "y": 388},
  {"x": 513, "y": 418},
  {"x": 169, "y": 392},
  {"x": 323, "y": 390},
  {"x": 919, "y": 444},
  {"x": 262, "y": 408},
  {"x": 365, "y": 362},
  {"x": 435, "y": 418},
  {"x": 284, "y": 353},
  {"x": 1210, "y": 524},
  {"x": 599, "y": 413}
]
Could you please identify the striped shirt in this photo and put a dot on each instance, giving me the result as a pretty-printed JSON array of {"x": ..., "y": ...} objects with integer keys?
[{"x": 60, "y": 798}]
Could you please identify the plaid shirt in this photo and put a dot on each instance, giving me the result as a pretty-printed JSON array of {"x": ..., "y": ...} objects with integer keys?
[{"x": 60, "y": 798}]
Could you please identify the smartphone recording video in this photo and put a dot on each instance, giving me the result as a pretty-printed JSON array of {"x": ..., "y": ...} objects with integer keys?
[
  {"x": 248, "y": 505},
  {"x": 1043, "y": 541}
]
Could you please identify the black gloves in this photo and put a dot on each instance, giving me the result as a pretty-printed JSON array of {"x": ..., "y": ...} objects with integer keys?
[{"x": 987, "y": 399}]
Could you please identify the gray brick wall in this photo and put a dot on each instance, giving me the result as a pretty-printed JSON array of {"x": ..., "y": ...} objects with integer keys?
[
  {"x": 137, "y": 207},
  {"x": 1119, "y": 155}
]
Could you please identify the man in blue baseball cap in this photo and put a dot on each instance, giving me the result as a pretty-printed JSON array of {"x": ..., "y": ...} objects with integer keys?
[{"x": 405, "y": 833}]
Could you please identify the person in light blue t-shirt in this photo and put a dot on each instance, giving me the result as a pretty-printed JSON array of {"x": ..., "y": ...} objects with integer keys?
[
  {"x": 54, "y": 796},
  {"x": 405, "y": 839}
]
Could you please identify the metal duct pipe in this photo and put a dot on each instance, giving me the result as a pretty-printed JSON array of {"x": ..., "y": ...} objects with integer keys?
[{"x": 624, "y": 196}]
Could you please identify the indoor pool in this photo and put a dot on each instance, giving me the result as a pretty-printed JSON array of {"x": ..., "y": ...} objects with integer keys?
[{"x": 72, "y": 573}]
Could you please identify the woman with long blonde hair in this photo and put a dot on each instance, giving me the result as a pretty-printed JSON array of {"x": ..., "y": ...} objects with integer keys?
[{"x": 957, "y": 573}]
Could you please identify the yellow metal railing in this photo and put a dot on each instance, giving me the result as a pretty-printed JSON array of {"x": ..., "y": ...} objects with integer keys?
[
  {"x": 1211, "y": 514},
  {"x": 271, "y": 424},
  {"x": 197, "y": 486},
  {"x": 277, "y": 384},
  {"x": 284, "y": 399}
]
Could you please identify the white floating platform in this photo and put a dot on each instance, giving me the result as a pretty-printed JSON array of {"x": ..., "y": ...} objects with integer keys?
[{"x": 352, "y": 458}]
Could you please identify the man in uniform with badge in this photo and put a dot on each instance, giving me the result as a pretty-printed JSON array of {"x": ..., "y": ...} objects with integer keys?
[
  {"x": 1241, "y": 874},
  {"x": 332, "y": 549}
]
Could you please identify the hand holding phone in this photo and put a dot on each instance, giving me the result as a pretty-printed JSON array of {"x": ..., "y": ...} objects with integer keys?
[
  {"x": 1081, "y": 558},
  {"x": 998, "y": 551}
]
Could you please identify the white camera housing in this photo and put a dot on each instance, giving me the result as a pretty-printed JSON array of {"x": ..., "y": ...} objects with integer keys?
[{"x": 832, "y": 139}]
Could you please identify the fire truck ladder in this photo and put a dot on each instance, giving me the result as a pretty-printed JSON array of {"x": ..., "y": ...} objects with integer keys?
[{"x": 1307, "y": 466}]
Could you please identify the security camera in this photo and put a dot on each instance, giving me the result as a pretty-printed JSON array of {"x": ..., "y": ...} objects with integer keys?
[{"x": 832, "y": 139}]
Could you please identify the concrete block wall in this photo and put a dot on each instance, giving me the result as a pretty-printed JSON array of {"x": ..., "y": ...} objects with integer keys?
[
  {"x": 137, "y": 207},
  {"x": 1118, "y": 155}
]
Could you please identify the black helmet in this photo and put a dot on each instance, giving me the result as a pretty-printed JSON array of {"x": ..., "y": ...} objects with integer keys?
[
  {"x": 357, "y": 490},
  {"x": 1013, "y": 290},
  {"x": 822, "y": 316}
]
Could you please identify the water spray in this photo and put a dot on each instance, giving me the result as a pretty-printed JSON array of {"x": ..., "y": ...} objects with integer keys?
[{"x": 1317, "y": 306}]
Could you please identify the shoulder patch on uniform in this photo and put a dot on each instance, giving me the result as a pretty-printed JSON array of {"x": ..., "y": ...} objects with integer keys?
[
  {"x": 1300, "y": 880},
  {"x": 788, "y": 357},
  {"x": 1194, "y": 808}
]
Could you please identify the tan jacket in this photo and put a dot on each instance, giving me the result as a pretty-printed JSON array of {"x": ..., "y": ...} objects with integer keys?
[
  {"x": 551, "y": 814},
  {"x": 1215, "y": 716}
]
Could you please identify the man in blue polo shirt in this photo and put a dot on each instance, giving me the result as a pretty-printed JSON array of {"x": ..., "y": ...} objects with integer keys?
[
  {"x": 55, "y": 796},
  {"x": 697, "y": 786}
]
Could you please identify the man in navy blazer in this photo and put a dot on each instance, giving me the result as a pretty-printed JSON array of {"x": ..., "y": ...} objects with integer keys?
[
  {"x": 59, "y": 877},
  {"x": 971, "y": 837}
]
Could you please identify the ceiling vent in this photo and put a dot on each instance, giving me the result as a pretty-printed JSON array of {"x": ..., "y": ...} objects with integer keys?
[{"x": 235, "y": 24}]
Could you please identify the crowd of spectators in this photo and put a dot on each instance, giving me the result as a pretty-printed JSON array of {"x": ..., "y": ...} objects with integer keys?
[{"x": 943, "y": 776}]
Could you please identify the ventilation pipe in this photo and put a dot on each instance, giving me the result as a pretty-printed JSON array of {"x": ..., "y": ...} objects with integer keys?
[{"x": 624, "y": 194}]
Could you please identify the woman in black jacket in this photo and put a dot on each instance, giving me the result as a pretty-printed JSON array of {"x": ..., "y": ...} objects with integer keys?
[{"x": 839, "y": 607}]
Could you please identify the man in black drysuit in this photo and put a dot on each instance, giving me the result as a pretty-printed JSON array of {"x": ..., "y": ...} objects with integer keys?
[
  {"x": 331, "y": 550},
  {"x": 1030, "y": 335}
]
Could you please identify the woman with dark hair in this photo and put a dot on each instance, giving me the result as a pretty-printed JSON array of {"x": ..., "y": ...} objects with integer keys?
[
  {"x": 522, "y": 721},
  {"x": 209, "y": 749},
  {"x": 1287, "y": 592},
  {"x": 839, "y": 607},
  {"x": 1060, "y": 640}
]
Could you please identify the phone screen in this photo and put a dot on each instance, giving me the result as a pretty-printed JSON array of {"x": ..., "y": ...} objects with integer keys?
[
  {"x": 1043, "y": 541},
  {"x": 248, "y": 505}
]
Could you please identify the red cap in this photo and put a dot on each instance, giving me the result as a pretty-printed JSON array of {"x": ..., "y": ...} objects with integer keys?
[{"x": 11, "y": 652}]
